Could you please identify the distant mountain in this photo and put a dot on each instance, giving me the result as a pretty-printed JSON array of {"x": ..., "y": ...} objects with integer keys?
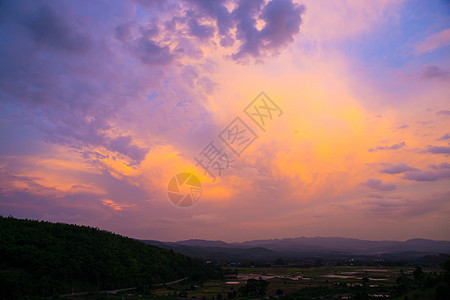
[
  {"x": 43, "y": 258},
  {"x": 304, "y": 247},
  {"x": 352, "y": 246}
]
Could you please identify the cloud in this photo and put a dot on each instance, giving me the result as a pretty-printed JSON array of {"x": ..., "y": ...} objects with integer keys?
[
  {"x": 424, "y": 122},
  {"x": 151, "y": 53},
  {"x": 433, "y": 42},
  {"x": 259, "y": 28},
  {"x": 438, "y": 149},
  {"x": 427, "y": 175},
  {"x": 122, "y": 144},
  {"x": 217, "y": 11},
  {"x": 403, "y": 126},
  {"x": 246, "y": 30},
  {"x": 443, "y": 113},
  {"x": 129, "y": 108},
  {"x": 282, "y": 20},
  {"x": 393, "y": 147},
  {"x": 203, "y": 32},
  {"x": 113, "y": 205},
  {"x": 377, "y": 184},
  {"x": 444, "y": 137},
  {"x": 375, "y": 196},
  {"x": 51, "y": 29},
  {"x": 410, "y": 207},
  {"x": 434, "y": 72},
  {"x": 397, "y": 169},
  {"x": 441, "y": 171},
  {"x": 442, "y": 166}
]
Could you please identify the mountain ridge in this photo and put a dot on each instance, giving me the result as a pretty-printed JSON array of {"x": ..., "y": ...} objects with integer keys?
[{"x": 303, "y": 246}]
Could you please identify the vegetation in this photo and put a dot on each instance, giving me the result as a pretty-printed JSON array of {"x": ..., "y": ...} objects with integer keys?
[
  {"x": 324, "y": 282},
  {"x": 254, "y": 287},
  {"x": 46, "y": 259},
  {"x": 425, "y": 286},
  {"x": 42, "y": 259}
]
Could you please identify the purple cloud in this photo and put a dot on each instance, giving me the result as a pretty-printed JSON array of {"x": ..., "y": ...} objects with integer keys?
[
  {"x": 282, "y": 21},
  {"x": 203, "y": 32},
  {"x": 397, "y": 169},
  {"x": 377, "y": 184},
  {"x": 427, "y": 175},
  {"x": 375, "y": 196},
  {"x": 202, "y": 19},
  {"x": 444, "y": 137},
  {"x": 151, "y": 53},
  {"x": 123, "y": 145},
  {"x": 434, "y": 72},
  {"x": 438, "y": 149},
  {"x": 246, "y": 13},
  {"x": 442, "y": 166},
  {"x": 443, "y": 113},
  {"x": 217, "y": 11},
  {"x": 51, "y": 29},
  {"x": 393, "y": 147},
  {"x": 441, "y": 171},
  {"x": 74, "y": 78},
  {"x": 409, "y": 207}
]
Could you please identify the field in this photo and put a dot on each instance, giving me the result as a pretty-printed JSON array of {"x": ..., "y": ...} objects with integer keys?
[{"x": 340, "y": 282}]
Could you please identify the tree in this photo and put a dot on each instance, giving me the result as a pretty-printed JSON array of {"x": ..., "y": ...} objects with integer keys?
[
  {"x": 279, "y": 261},
  {"x": 254, "y": 287},
  {"x": 279, "y": 292},
  {"x": 419, "y": 275}
]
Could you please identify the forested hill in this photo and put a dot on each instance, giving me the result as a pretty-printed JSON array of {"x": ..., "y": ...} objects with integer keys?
[{"x": 43, "y": 258}]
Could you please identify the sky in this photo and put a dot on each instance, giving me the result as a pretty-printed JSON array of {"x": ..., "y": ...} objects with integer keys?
[{"x": 103, "y": 103}]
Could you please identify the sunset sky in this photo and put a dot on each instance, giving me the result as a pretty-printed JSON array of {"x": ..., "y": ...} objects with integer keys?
[{"x": 103, "y": 102}]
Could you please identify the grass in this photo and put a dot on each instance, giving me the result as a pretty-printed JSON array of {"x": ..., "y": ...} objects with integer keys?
[{"x": 285, "y": 282}]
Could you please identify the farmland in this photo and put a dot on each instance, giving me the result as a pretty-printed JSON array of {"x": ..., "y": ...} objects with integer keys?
[{"x": 340, "y": 282}]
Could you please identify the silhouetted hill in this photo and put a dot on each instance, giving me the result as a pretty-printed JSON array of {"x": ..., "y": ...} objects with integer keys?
[
  {"x": 306, "y": 247},
  {"x": 43, "y": 258}
]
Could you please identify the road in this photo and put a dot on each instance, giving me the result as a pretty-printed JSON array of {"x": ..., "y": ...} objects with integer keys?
[{"x": 122, "y": 290}]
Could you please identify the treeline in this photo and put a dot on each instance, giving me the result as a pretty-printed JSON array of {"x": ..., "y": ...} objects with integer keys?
[{"x": 44, "y": 259}]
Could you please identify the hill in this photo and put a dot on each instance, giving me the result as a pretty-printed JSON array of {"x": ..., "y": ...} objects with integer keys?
[
  {"x": 302, "y": 247},
  {"x": 43, "y": 258}
]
